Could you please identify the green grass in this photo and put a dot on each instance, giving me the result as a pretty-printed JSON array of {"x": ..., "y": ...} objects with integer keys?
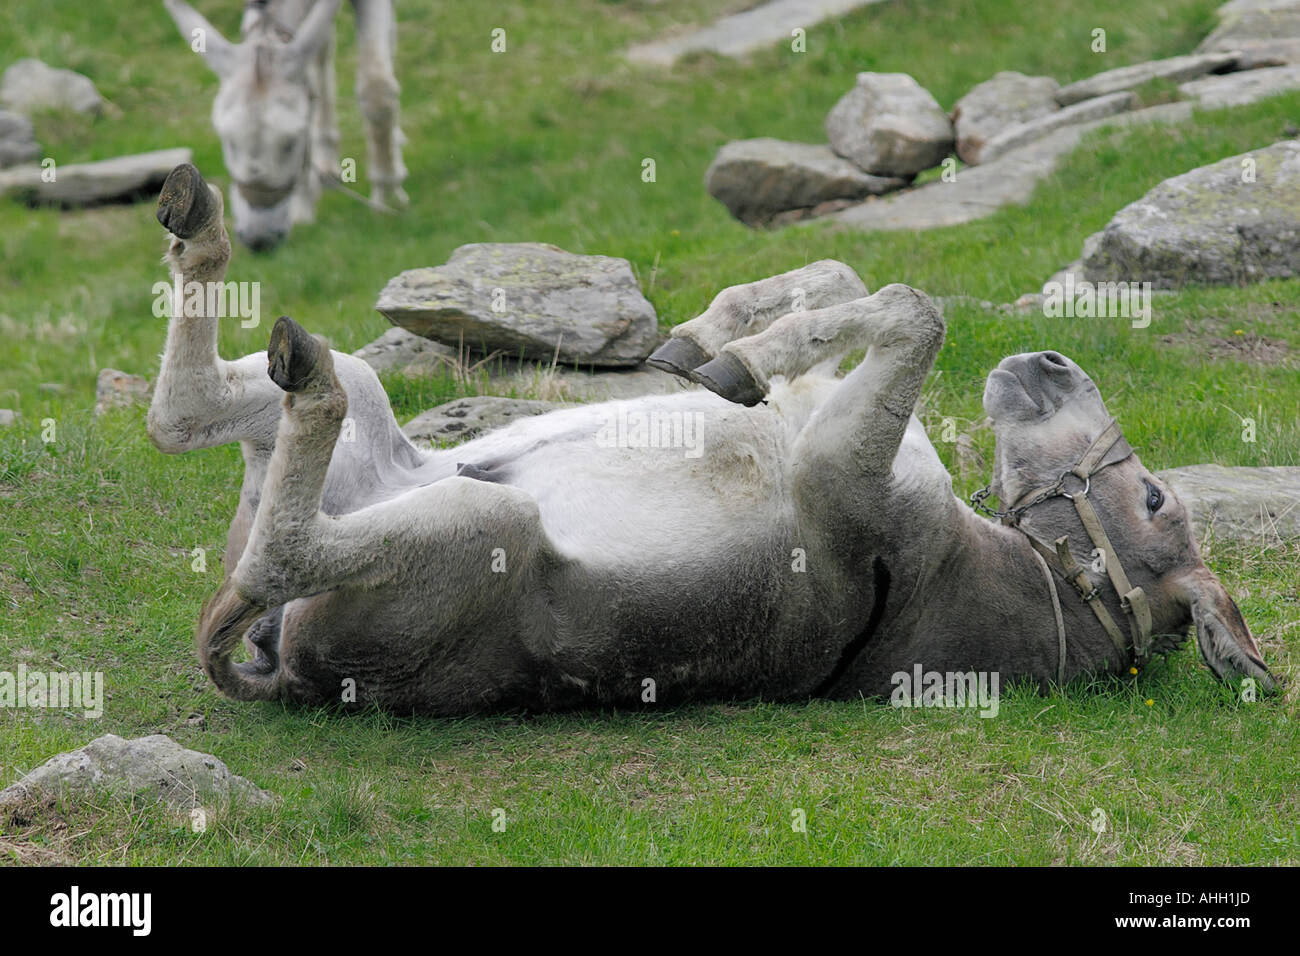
[{"x": 545, "y": 143}]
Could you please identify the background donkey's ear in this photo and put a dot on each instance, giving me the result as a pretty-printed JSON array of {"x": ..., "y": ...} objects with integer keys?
[
  {"x": 1224, "y": 639},
  {"x": 314, "y": 32},
  {"x": 217, "y": 52}
]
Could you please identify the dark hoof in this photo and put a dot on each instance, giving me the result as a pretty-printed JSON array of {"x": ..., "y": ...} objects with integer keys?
[
  {"x": 728, "y": 376},
  {"x": 678, "y": 356},
  {"x": 185, "y": 204},
  {"x": 291, "y": 357}
]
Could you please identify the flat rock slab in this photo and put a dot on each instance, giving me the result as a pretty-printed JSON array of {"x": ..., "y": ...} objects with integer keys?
[
  {"x": 17, "y": 140},
  {"x": 1208, "y": 226},
  {"x": 88, "y": 184},
  {"x": 1263, "y": 32},
  {"x": 1240, "y": 89},
  {"x": 980, "y": 191},
  {"x": 1176, "y": 69},
  {"x": 889, "y": 125},
  {"x": 1006, "y": 100},
  {"x": 467, "y": 418},
  {"x": 758, "y": 178},
  {"x": 1022, "y": 134},
  {"x": 400, "y": 351},
  {"x": 744, "y": 32},
  {"x": 142, "y": 770},
  {"x": 529, "y": 300},
  {"x": 29, "y": 85},
  {"x": 1244, "y": 504}
]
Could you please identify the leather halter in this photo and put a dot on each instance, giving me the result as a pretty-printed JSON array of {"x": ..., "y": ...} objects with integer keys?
[{"x": 1060, "y": 559}]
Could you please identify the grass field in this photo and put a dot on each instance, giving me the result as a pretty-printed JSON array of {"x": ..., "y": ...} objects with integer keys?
[{"x": 545, "y": 143}]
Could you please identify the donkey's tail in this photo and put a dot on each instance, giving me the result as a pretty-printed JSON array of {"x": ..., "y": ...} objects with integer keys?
[{"x": 224, "y": 621}]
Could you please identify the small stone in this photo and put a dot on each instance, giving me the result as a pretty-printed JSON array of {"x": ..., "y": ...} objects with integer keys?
[
  {"x": 889, "y": 125},
  {"x": 30, "y": 85},
  {"x": 1006, "y": 100},
  {"x": 114, "y": 389}
]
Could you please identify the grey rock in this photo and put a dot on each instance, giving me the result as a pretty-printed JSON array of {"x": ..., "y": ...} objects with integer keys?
[
  {"x": 29, "y": 85},
  {"x": 114, "y": 389},
  {"x": 1177, "y": 69},
  {"x": 1261, "y": 32},
  {"x": 17, "y": 141},
  {"x": 758, "y": 178},
  {"x": 398, "y": 350},
  {"x": 1022, "y": 134},
  {"x": 744, "y": 32},
  {"x": 142, "y": 770},
  {"x": 86, "y": 184},
  {"x": 7, "y": 417},
  {"x": 548, "y": 302},
  {"x": 1242, "y": 504},
  {"x": 1239, "y": 89},
  {"x": 1006, "y": 100},
  {"x": 467, "y": 418},
  {"x": 1208, "y": 226},
  {"x": 889, "y": 125},
  {"x": 980, "y": 191}
]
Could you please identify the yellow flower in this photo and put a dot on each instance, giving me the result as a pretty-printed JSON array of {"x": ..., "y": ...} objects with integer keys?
[
  {"x": 678, "y": 232},
  {"x": 1132, "y": 670},
  {"x": 1239, "y": 332},
  {"x": 1150, "y": 702}
]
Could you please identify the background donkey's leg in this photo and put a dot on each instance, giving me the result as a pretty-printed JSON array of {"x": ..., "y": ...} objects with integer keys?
[
  {"x": 744, "y": 310},
  {"x": 377, "y": 90}
]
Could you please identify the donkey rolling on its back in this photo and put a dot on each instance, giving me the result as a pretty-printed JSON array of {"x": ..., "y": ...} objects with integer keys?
[
  {"x": 275, "y": 108},
  {"x": 542, "y": 567}
]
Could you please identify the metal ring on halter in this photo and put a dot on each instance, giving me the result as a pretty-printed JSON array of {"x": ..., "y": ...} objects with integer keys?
[{"x": 1087, "y": 484}]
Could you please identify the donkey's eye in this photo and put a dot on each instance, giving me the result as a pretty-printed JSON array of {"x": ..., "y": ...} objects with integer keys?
[{"x": 1155, "y": 497}]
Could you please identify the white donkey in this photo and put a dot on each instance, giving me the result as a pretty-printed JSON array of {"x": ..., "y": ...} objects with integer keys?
[
  {"x": 814, "y": 548},
  {"x": 275, "y": 108}
]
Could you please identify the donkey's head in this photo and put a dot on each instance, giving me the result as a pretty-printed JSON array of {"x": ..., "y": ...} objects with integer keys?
[
  {"x": 1047, "y": 414},
  {"x": 262, "y": 112}
]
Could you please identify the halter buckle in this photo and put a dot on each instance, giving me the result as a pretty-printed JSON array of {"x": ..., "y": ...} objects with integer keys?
[{"x": 1060, "y": 482}]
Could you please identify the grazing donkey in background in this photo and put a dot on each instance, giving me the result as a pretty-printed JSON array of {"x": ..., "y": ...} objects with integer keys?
[
  {"x": 815, "y": 548},
  {"x": 275, "y": 108}
]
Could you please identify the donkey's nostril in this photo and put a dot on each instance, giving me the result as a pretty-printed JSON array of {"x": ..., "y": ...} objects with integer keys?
[{"x": 1054, "y": 361}]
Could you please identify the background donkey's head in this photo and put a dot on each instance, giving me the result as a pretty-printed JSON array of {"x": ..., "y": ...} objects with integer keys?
[
  {"x": 1046, "y": 414},
  {"x": 263, "y": 109}
]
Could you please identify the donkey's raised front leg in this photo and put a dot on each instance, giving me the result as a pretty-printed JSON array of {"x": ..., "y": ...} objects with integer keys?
[
  {"x": 377, "y": 92},
  {"x": 744, "y": 310},
  {"x": 200, "y": 400}
]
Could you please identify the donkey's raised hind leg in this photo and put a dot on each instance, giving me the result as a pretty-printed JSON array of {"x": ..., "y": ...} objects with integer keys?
[{"x": 743, "y": 310}]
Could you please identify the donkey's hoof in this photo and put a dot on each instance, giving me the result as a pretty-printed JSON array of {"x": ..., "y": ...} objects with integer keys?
[
  {"x": 678, "y": 356},
  {"x": 292, "y": 355},
  {"x": 728, "y": 376},
  {"x": 185, "y": 204}
]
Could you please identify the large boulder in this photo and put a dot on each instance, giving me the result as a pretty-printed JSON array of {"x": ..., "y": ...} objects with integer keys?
[
  {"x": 1247, "y": 504},
  {"x": 529, "y": 300},
  {"x": 1008, "y": 99},
  {"x": 758, "y": 178},
  {"x": 1176, "y": 69},
  {"x": 1262, "y": 32},
  {"x": 889, "y": 125},
  {"x": 87, "y": 184},
  {"x": 1232, "y": 222},
  {"x": 17, "y": 140},
  {"x": 29, "y": 85},
  {"x": 143, "y": 770},
  {"x": 1088, "y": 111}
]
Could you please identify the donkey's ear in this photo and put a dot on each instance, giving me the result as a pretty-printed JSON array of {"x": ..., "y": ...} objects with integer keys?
[
  {"x": 314, "y": 32},
  {"x": 204, "y": 39},
  {"x": 1224, "y": 639}
]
